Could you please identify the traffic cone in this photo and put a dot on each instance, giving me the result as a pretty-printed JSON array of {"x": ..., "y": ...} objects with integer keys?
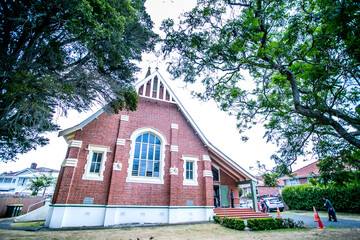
[
  {"x": 321, "y": 226},
  {"x": 278, "y": 212},
  {"x": 316, "y": 215}
]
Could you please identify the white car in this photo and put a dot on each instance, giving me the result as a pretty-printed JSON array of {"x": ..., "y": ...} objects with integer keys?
[{"x": 273, "y": 204}]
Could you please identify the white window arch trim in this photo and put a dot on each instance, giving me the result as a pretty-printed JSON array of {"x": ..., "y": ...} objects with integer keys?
[
  {"x": 95, "y": 149},
  {"x": 140, "y": 179},
  {"x": 195, "y": 160}
]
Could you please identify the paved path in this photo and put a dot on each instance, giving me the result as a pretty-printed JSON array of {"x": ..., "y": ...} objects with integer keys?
[{"x": 309, "y": 221}]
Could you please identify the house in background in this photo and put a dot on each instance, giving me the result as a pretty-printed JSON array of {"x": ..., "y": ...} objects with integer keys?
[
  {"x": 18, "y": 182},
  {"x": 302, "y": 175},
  {"x": 299, "y": 177},
  {"x": 153, "y": 165}
]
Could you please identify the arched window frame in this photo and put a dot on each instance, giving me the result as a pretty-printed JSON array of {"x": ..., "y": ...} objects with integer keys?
[{"x": 141, "y": 179}]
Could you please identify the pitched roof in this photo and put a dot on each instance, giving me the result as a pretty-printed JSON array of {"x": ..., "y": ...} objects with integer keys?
[
  {"x": 307, "y": 171},
  {"x": 154, "y": 86},
  {"x": 310, "y": 169},
  {"x": 36, "y": 170}
]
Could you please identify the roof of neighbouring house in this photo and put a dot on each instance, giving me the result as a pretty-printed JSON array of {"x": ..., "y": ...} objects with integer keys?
[
  {"x": 145, "y": 88},
  {"x": 36, "y": 170},
  {"x": 307, "y": 171}
]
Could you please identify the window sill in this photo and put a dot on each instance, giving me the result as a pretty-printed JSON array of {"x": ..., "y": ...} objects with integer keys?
[
  {"x": 190, "y": 183},
  {"x": 92, "y": 177},
  {"x": 144, "y": 180}
]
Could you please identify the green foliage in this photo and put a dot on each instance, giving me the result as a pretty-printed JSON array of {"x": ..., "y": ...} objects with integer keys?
[
  {"x": 65, "y": 54},
  {"x": 217, "y": 219},
  {"x": 240, "y": 190},
  {"x": 39, "y": 183},
  {"x": 248, "y": 195},
  {"x": 304, "y": 197},
  {"x": 257, "y": 224},
  {"x": 303, "y": 59},
  {"x": 233, "y": 223}
]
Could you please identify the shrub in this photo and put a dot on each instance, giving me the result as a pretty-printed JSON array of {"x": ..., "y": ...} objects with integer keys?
[
  {"x": 217, "y": 219},
  {"x": 304, "y": 197},
  {"x": 234, "y": 223},
  {"x": 257, "y": 224}
]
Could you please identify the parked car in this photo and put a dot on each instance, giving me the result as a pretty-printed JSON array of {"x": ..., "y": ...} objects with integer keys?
[
  {"x": 247, "y": 204},
  {"x": 273, "y": 204}
]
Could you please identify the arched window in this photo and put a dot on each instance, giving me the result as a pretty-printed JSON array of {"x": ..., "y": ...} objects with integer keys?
[{"x": 146, "y": 163}]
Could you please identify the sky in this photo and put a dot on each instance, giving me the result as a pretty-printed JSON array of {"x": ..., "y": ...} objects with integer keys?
[{"x": 218, "y": 127}]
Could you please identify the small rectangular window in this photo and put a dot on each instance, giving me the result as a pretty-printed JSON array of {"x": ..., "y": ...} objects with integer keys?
[
  {"x": 96, "y": 162},
  {"x": 7, "y": 180},
  {"x": 1, "y": 180},
  {"x": 190, "y": 174},
  {"x": 95, "y": 165},
  {"x": 189, "y": 170},
  {"x": 22, "y": 181}
]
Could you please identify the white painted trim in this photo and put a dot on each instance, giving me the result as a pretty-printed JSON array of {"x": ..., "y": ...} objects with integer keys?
[
  {"x": 174, "y": 126},
  {"x": 117, "y": 166},
  {"x": 95, "y": 176},
  {"x": 81, "y": 215},
  {"x": 121, "y": 141},
  {"x": 124, "y": 118},
  {"x": 207, "y": 173},
  {"x": 138, "y": 179},
  {"x": 75, "y": 143},
  {"x": 174, "y": 148},
  {"x": 70, "y": 162},
  {"x": 206, "y": 158},
  {"x": 194, "y": 181}
]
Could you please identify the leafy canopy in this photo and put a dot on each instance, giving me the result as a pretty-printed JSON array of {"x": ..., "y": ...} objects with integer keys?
[
  {"x": 65, "y": 54},
  {"x": 303, "y": 58}
]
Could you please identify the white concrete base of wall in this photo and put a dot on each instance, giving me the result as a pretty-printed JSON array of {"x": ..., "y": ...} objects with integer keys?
[
  {"x": 39, "y": 214},
  {"x": 81, "y": 215}
]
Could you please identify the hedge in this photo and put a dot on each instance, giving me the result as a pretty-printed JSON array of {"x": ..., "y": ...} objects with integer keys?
[
  {"x": 234, "y": 223},
  {"x": 256, "y": 224},
  {"x": 304, "y": 197}
]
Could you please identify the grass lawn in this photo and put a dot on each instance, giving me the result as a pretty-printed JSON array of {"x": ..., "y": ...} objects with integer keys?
[
  {"x": 323, "y": 214},
  {"x": 197, "y": 231},
  {"x": 28, "y": 224}
]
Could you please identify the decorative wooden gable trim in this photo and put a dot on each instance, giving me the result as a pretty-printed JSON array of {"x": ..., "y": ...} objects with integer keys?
[{"x": 155, "y": 87}]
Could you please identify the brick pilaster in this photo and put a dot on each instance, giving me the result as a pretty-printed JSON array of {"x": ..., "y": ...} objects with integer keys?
[
  {"x": 119, "y": 165},
  {"x": 175, "y": 178}
]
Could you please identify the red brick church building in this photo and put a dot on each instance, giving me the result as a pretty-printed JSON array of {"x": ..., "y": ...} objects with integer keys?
[{"x": 153, "y": 165}]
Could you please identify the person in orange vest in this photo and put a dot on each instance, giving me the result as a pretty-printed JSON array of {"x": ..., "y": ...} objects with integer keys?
[{"x": 330, "y": 209}]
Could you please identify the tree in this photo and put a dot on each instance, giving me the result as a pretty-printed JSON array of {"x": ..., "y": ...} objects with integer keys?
[
  {"x": 39, "y": 183},
  {"x": 65, "y": 54},
  {"x": 303, "y": 58},
  {"x": 240, "y": 191}
]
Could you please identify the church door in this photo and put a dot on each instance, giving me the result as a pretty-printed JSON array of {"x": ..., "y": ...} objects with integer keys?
[{"x": 224, "y": 195}]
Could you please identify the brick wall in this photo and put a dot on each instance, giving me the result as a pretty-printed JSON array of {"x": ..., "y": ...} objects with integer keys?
[{"x": 114, "y": 189}]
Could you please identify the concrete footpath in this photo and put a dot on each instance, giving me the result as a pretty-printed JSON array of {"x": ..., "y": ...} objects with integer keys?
[{"x": 308, "y": 221}]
